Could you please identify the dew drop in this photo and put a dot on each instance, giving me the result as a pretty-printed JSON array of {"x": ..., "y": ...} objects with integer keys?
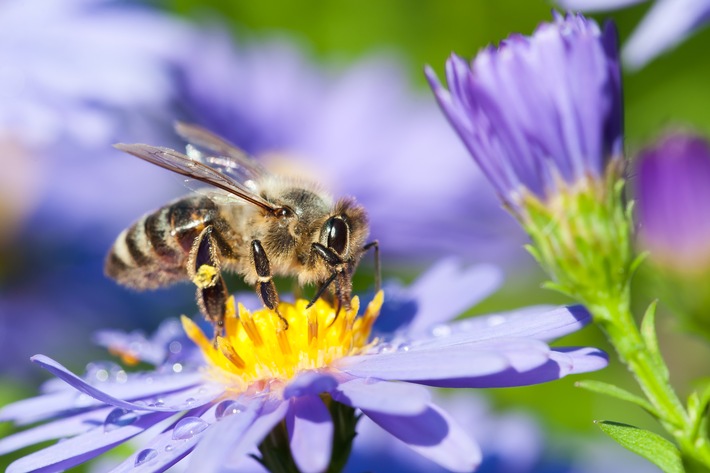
[
  {"x": 169, "y": 448},
  {"x": 189, "y": 401},
  {"x": 188, "y": 427},
  {"x": 177, "y": 367},
  {"x": 145, "y": 456},
  {"x": 121, "y": 377},
  {"x": 119, "y": 418},
  {"x": 385, "y": 348},
  {"x": 404, "y": 346},
  {"x": 441, "y": 330},
  {"x": 495, "y": 320},
  {"x": 227, "y": 408}
]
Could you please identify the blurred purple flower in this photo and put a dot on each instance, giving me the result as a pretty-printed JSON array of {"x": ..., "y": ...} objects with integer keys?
[
  {"x": 220, "y": 425},
  {"x": 673, "y": 195},
  {"x": 539, "y": 112},
  {"x": 666, "y": 25},
  {"x": 362, "y": 131},
  {"x": 77, "y": 76}
]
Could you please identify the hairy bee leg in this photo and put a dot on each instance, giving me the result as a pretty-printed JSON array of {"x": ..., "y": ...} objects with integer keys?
[
  {"x": 341, "y": 276},
  {"x": 265, "y": 287},
  {"x": 322, "y": 289},
  {"x": 378, "y": 275},
  {"x": 204, "y": 270}
]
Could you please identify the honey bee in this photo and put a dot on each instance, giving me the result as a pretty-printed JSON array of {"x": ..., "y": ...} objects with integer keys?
[{"x": 250, "y": 222}]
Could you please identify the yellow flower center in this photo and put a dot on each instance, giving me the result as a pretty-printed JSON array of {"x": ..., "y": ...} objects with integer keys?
[{"x": 256, "y": 347}]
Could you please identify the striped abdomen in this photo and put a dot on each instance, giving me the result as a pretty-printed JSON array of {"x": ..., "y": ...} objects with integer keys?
[{"x": 153, "y": 252}]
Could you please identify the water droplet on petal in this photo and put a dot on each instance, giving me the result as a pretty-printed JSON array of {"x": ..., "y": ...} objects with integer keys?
[
  {"x": 188, "y": 427},
  {"x": 119, "y": 418},
  {"x": 228, "y": 408},
  {"x": 177, "y": 367},
  {"x": 145, "y": 456},
  {"x": 189, "y": 401},
  {"x": 441, "y": 330},
  {"x": 385, "y": 348},
  {"x": 404, "y": 346},
  {"x": 169, "y": 448},
  {"x": 121, "y": 377},
  {"x": 175, "y": 347},
  {"x": 495, "y": 320}
]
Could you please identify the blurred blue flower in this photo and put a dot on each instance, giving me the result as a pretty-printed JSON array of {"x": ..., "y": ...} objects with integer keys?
[
  {"x": 362, "y": 131},
  {"x": 667, "y": 24},
  {"x": 539, "y": 113},
  {"x": 223, "y": 421}
]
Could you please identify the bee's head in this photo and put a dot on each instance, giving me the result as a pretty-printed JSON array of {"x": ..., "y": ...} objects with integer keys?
[{"x": 345, "y": 231}]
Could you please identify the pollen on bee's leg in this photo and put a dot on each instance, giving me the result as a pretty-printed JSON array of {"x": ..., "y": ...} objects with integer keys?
[
  {"x": 206, "y": 276},
  {"x": 230, "y": 353}
]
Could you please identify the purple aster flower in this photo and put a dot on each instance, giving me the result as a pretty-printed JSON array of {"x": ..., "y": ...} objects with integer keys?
[
  {"x": 673, "y": 203},
  {"x": 260, "y": 382},
  {"x": 539, "y": 113},
  {"x": 362, "y": 131},
  {"x": 667, "y": 24},
  {"x": 542, "y": 117}
]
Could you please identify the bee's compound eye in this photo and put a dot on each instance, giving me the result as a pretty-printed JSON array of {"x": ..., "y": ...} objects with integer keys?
[
  {"x": 283, "y": 212},
  {"x": 337, "y": 231}
]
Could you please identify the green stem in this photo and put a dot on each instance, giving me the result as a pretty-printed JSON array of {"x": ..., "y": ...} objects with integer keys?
[{"x": 650, "y": 371}]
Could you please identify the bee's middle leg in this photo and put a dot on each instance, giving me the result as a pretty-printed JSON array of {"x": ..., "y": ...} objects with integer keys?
[
  {"x": 204, "y": 270},
  {"x": 265, "y": 287}
]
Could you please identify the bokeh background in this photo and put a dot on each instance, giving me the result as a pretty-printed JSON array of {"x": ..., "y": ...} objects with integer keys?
[{"x": 332, "y": 88}]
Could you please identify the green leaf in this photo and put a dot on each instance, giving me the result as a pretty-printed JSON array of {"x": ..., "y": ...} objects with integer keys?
[
  {"x": 651, "y": 446},
  {"x": 648, "y": 333},
  {"x": 617, "y": 392}
]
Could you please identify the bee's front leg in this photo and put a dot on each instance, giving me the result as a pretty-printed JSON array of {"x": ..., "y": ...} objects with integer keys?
[
  {"x": 265, "y": 287},
  {"x": 204, "y": 270}
]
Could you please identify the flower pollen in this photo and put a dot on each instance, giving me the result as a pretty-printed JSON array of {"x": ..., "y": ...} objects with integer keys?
[{"x": 255, "y": 346}]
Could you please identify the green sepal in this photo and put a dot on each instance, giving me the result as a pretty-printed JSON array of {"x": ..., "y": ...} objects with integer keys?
[
  {"x": 618, "y": 393},
  {"x": 648, "y": 333},
  {"x": 642, "y": 442}
]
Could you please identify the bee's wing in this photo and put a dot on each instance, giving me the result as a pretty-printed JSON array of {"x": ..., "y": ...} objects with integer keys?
[
  {"x": 182, "y": 164},
  {"x": 229, "y": 159}
]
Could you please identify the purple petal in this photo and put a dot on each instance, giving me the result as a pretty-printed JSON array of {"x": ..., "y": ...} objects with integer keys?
[
  {"x": 434, "y": 435},
  {"x": 446, "y": 290},
  {"x": 665, "y": 25},
  {"x": 383, "y": 396},
  {"x": 563, "y": 361},
  {"x": 443, "y": 363},
  {"x": 449, "y": 358},
  {"x": 271, "y": 414},
  {"x": 172, "y": 382},
  {"x": 169, "y": 447},
  {"x": 225, "y": 435},
  {"x": 79, "y": 449},
  {"x": 310, "y": 431},
  {"x": 538, "y": 322},
  {"x": 64, "y": 427},
  {"x": 309, "y": 383}
]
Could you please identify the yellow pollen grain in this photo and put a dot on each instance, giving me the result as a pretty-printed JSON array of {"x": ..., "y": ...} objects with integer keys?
[
  {"x": 206, "y": 276},
  {"x": 256, "y": 348}
]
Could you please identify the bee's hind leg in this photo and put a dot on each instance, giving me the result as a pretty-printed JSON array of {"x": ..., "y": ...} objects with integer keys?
[
  {"x": 204, "y": 270},
  {"x": 265, "y": 287}
]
